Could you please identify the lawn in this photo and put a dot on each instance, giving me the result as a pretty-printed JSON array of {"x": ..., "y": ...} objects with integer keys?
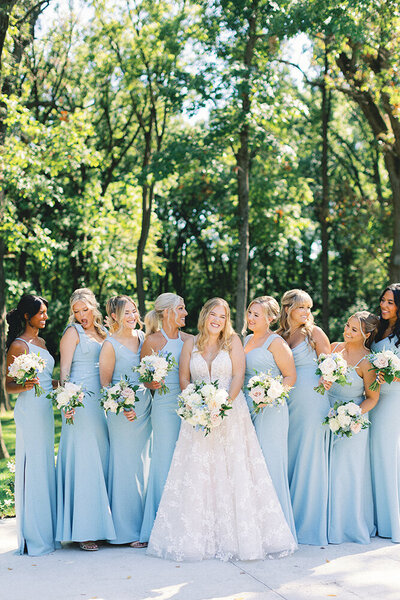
[{"x": 8, "y": 427}]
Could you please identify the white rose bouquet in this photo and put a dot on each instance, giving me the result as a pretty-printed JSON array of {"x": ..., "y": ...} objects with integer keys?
[
  {"x": 203, "y": 405},
  {"x": 121, "y": 396},
  {"x": 67, "y": 397},
  {"x": 333, "y": 367},
  {"x": 385, "y": 362},
  {"x": 345, "y": 419},
  {"x": 26, "y": 367},
  {"x": 155, "y": 367},
  {"x": 265, "y": 389}
]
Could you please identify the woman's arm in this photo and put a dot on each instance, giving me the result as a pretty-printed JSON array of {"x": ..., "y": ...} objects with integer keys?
[
  {"x": 184, "y": 363},
  {"x": 322, "y": 344},
  {"x": 284, "y": 359},
  {"x": 106, "y": 363},
  {"x": 17, "y": 348},
  {"x": 68, "y": 344},
  {"x": 371, "y": 398},
  {"x": 238, "y": 367}
]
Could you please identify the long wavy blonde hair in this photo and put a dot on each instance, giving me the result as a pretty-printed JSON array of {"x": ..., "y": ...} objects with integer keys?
[
  {"x": 270, "y": 309},
  {"x": 290, "y": 300},
  {"x": 153, "y": 319},
  {"x": 116, "y": 306},
  {"x": 87, "y": 297},
  {"x": 225, "y": 335}
]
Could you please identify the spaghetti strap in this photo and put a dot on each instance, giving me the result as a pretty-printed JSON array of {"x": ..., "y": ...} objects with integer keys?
[
  {"x": 338, "y": 344},
  {"x": 361, "y": 359}
]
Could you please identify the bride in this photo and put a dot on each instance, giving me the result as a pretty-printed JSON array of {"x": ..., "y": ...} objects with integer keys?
[{"x": 219, "y": 500}]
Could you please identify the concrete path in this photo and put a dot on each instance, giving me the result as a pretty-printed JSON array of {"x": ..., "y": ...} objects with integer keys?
[{"x": 344, "y": 572}]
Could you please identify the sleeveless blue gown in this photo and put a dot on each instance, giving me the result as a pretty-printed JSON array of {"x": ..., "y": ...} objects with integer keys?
[
  {"x": 166, "y": 425},
  {"x": 35, "y": 475},
  {"x": 385, "y": 453},
  {"x": 271, "y": 425},
  {"x": 350, "y": 506},
  {"x": 83, "y": 510},
  {"x": 308, "y": 444},
  {"x": 129, "y": 451}
]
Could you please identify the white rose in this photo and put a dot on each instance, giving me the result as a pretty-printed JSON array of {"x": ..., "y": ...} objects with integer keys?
[
  {"x": 257, "y": 394},
  {"x": 72, "y": 388},
  {"x": 380, "y": 361},
  {"x": 275, "y": 390},
  {"x": 111, "y": 405},
  {"x": 341, "y": 409},
  {"x": 63, "y": 399},
  {"x": 344, "y": 420},
  {"x": 353, "y": 409},
  {"x": 395, "y": 363},
  {"x": 334, "y": 424},
  {"x": 208, "y": 390},
  {"x": 328, "y": 366},
  {"x": 221, "y": 396}
]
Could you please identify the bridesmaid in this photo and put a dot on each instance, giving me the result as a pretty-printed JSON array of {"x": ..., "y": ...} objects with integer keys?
[
  {"x": 129, "y": 431},
  {"x": 350, "y": 505},
  {"x": 162, "y": 333},
  {"x": 268, "y": 352},
  {"x": 308, "y": 442},
  {"x": 83, "y": 510},
  {"x": 385, "y": 425},
  {"x": 35, "y": 477}
]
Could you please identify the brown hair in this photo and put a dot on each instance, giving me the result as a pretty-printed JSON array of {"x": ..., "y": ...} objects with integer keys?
[{"x": 290, "y": 300}]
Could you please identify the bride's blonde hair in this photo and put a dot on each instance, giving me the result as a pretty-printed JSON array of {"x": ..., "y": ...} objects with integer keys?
[
  {"x": 290, "y": 300},
  {"x": 225, "y": 335}
]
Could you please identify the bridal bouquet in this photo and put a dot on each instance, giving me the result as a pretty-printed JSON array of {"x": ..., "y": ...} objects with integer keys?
[
  {"x": 155, "y": 367},
  {"x": 203, "y": 405},
  {"x": 120, "y": 396},
  {"x": 67, "y": 397},
  {"x": 332, "y": 367},
  {"x": 265, "y": 389},
  {"x": 345, "y": 418},
  {"x": 386, "y": 362},
  {"x": 26, "y": 367}
]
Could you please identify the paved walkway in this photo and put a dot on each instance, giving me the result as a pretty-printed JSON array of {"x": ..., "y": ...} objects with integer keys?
[{"x": 345, "y": 572}]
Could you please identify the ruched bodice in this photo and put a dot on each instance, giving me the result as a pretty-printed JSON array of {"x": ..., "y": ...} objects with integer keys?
[
  {"x": 126, "y": 360},
  {"x": 85, "y": 364},
  {"x": 261, "y": 359},
  {"x": 305, "y": 357}
]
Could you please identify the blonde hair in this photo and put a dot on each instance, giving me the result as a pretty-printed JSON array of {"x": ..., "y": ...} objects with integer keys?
[
  {"x": 153, "y": 319},
  {"x": 290, "y": 300},
  {"x": 368, "y": 325},
  {"x": 225, "y": 336},
  {"x": 270, "y": 309},
  {"x": 87, "y": 297},
  {"x": 116, "y": 305}
]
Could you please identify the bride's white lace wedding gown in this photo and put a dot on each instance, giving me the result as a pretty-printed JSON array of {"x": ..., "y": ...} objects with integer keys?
[{"x": 219, "y": 500}]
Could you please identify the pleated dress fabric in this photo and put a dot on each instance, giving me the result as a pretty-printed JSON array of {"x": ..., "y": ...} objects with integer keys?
[
  {"x": 129, "y": 450},
  {"x": 350, "y": 505},
  {"x": 308, "y": 446},
  {"x": 385, "y": 453},
  {"x": 271, "y": 425},
  {"x": 35, "y": 476},
  {"x": 165, "y": 426},
  {"x": 83, "y": 509}
]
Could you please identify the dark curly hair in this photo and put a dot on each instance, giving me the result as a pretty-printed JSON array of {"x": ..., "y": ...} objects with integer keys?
[
  {"x": 383, "y": 323},
  {"x": 28, "y": 305}
]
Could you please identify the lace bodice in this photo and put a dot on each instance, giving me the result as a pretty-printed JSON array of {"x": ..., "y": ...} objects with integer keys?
[{"x": 221, "y": 368}]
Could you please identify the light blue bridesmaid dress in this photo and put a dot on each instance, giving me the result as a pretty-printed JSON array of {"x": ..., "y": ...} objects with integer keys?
[
  {"x": 129, "y": 451},
  {"x": 271, "y": 425},
  {"x": 385, "y": 453},
  {"x": 35, "y": 475},
  {"x": 83, "y": 510},
  {"x": 166, "y": 425},
  {"x": 350, "y": 506},
  {"x": 308, "y": 444}
]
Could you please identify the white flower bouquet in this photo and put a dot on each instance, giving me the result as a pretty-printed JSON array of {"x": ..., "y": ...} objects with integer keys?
[
  {"x": 26, "y": 367},
  {"x": 203, "y": 405},
  {"x": 155, "y": 367},
  {"x": 333, "y": 367},
  {"x": 386, "y": 362},
  {"x": 266, "y": 390},
  {"x": 121, "y": 396},
  {"x": 67, "y": 397},
  {"x": 345, "y": 419}
]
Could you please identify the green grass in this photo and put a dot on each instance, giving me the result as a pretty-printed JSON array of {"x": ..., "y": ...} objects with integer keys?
[{"x": 8, "y": 427}]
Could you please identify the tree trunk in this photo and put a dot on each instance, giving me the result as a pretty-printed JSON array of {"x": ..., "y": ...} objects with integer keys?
[
  {"x": 243, "y": 168},
  {"x": 392, "y": 163},
  {"x": 147, "y": 201},
  {"x": 324, "y": 208}
]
